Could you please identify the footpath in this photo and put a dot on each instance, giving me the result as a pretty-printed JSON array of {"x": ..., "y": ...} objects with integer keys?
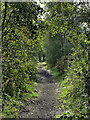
[{"x": 45, "y": 106}]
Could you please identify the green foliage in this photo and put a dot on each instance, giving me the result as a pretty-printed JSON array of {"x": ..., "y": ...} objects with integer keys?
[
  {"x": 62, "y": 64},
  {"x": 52, "y": 47},
  {"x": 11, "y": 106},
  {"x": 66, "y": 21},
  {"x": 56, "y": 42},
  {"x": 64, "y": 40},
  {"x": 68, "y": 116},
  {"x": 58, "y": 75},
  {"x": 73, "y": 86},
  {"x": 20, "y": 47}
]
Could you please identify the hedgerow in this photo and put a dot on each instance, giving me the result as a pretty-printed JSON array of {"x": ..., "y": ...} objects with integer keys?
[
  {"x": 67, "y": 21},
  {"x": 20, "y": 48}
]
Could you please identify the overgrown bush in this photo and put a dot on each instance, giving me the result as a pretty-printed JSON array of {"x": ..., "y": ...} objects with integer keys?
[
  {"x": 62, "y": 64},
  {"x": 20, "y": 48},
  {"x": 19, "y": 67},
  {"x": 74, "y": 97},
  {"x": 68, "y": 21}
]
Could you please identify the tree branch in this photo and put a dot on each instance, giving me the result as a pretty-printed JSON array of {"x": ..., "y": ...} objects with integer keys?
[{"x": 4, "y": 14}]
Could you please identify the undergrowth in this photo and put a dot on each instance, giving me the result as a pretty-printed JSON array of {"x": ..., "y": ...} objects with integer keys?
[
  {"x": 73, "y": 99},
  {"x": 11, "y": 106}
]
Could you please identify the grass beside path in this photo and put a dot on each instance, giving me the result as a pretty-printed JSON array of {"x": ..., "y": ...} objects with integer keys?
[{"x": 59, "y": 77}]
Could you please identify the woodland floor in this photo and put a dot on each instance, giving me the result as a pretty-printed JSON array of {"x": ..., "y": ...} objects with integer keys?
[{"x": 45, "y": 106}]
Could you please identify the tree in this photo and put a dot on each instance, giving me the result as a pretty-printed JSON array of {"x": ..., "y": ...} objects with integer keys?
[
  {"x": 57, "y": 20},
  {"x": 20, "y": 46},
  {"x": 66, "y": 20}
]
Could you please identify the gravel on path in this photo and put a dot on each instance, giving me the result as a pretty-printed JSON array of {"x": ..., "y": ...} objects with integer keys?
[{"x": 46, "y": 104}]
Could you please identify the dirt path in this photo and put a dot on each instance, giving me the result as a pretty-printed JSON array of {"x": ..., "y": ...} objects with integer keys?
[{"x": 45, "y": 105}]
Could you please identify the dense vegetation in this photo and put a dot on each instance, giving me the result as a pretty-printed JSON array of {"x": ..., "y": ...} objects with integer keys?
[
  {"x": 62, "y": 36},
  {"x": 67, "y": 48},
  {"x": 20, "y": 48}
]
